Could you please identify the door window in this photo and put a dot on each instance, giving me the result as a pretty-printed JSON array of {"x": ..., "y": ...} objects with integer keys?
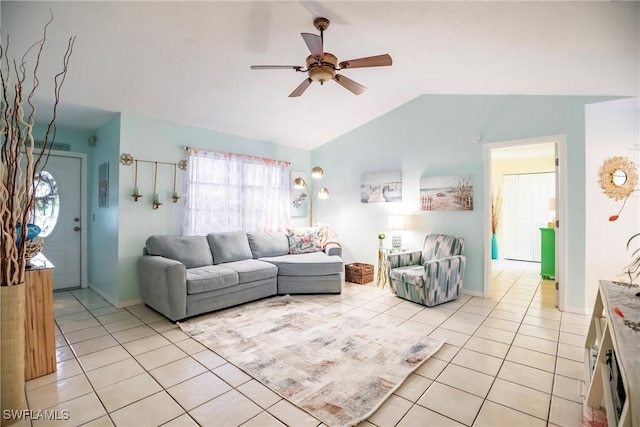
[{"x": 47, "y": 203}]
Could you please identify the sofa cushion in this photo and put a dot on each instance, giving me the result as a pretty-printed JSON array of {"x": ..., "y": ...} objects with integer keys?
[
  {"x": 210, "y": 278},
  {"x": 303, "y": 240},
  {"x": 229, "y": 246},
  {"x": 251, "y": 270},
  {"x": 412, "y": 274},
  {"x": 310, "y": 264},
  {"x": 268, "y": 244},
  {"x": 192, "y": 251}
]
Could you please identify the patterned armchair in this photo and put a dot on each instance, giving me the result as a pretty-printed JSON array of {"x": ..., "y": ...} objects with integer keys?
[{"x": 431, "y": 276}]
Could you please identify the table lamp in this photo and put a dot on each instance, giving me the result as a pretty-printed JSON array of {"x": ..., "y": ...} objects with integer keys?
[{"x": 396, "y": 223}]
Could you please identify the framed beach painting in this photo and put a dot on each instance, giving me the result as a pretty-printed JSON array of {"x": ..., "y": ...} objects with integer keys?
[
  {"x": 381, "y": 187},
  {"x": 103, "y": 185},
  {"x": 299, "y": 196},
  {"x": 446, "y": 193}
]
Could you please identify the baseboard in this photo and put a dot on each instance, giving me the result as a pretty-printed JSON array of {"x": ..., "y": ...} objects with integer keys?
[
  {"x": 130, "y": 303},
  {"x": 116, "y": 304},
  {"x": 472, "y": 293},
  {"x": 578, "y": 310}
]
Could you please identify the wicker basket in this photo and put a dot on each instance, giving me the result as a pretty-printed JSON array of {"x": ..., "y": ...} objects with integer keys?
[
  {"x": 34, "y": 246},
  {"x": 359, "y": 273}
]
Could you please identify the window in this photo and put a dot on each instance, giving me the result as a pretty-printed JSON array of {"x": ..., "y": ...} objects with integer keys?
[
  {"x": 229, "y": 192},
  {"x": 47, "y": 203}
]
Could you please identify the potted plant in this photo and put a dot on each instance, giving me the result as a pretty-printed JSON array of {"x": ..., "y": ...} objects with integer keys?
[
  {"x": 496, "y": 206},
  {"x": 633, "y": 268},
  {"x": 20, "y": 164}
]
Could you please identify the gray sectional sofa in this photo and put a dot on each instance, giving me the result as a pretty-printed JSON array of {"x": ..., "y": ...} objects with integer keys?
[{"x": 182, "y": 277}]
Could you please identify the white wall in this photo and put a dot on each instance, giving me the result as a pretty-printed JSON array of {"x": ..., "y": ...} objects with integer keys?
[{"x": 612, "y": 129}]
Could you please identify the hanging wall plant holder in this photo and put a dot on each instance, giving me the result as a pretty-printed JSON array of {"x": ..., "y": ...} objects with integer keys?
[
  {"x": 127, "y": 160},
  {"x": 174, "y": 194}
]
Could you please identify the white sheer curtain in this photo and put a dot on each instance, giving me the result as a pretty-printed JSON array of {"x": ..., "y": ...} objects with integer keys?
[{"x": 229, "y": 192}]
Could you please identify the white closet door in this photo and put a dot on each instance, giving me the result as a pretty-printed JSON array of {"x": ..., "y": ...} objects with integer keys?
[{"x": 525, "y": 209}]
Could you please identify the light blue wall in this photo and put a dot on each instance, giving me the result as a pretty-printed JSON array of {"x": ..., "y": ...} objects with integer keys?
[
  {"x": 104, "y": 222},
  {"x": 431, "y": 136},
  {"x": 76, "y": 138},
  {"x": 163, "y": 141}
]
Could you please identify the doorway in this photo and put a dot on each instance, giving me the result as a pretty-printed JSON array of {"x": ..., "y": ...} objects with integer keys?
[
  {"x": 529, "y": 175},
  {"x": 60, "y": 208},
  {"x": 527, "y": 195}
]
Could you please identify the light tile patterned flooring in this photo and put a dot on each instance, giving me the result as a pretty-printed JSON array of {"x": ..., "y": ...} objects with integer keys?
[{"x": 511, "y": 360}]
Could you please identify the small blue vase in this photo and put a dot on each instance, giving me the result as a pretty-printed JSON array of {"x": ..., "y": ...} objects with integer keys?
[
  {"x": 494, "y": 246},
  {"x": 32, "y": 232}
]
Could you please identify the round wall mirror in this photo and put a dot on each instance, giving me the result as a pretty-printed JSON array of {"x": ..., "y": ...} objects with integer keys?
[{"x": 618, "y": 177}]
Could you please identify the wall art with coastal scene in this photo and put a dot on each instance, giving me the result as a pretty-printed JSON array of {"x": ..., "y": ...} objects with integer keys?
[
  {"x": 299, "y": 196},
  {"x": 381, "y": 187},
  {"x": 451, "y": 193}
]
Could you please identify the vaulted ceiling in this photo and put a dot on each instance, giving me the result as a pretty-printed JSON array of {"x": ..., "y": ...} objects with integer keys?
[{"x": 188, "y": 62}]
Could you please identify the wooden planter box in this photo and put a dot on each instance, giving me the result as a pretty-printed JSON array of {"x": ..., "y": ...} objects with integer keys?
[{"x": 359, "y": 273}]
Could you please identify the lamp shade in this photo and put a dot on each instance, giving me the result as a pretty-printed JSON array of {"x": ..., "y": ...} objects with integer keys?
[
  {"x": 323, "y": 193},
  {"x": 317, "y": 172},
  {"x": 396, "y": 222},
  {"x": 299, "y": 182}
]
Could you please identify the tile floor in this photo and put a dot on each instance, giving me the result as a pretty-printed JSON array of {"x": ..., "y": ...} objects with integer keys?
[{"x": 510, "y": 360}]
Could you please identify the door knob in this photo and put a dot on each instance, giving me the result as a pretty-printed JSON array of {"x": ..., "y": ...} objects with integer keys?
[
  {"x": 76, "y": 219},
  {"x": 76, "y": 228}
]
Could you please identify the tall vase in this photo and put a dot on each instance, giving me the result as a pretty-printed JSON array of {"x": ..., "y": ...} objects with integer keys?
[
  {"x": 12, "y": 331},
  {"x": 494, "y": 246}
]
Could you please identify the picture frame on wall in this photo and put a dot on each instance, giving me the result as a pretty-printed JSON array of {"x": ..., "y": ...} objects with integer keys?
[
  {"x": 446, "y": 193},
  {"x": 381, "y": 187},
  {"x": 299, "y": 197},
  {"x": 103, "y": 185}
]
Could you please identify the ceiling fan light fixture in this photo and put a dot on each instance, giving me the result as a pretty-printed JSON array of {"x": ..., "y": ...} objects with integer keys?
[
  {"x": 323, "y": 66},
  {"x": 322, "y": 70},
  {"x": 321, "y": 74}
]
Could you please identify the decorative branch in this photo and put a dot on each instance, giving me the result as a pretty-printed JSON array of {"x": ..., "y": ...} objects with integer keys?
[
  {"x": 496, "y": 207},
  {"x": 20, "y": 164}
]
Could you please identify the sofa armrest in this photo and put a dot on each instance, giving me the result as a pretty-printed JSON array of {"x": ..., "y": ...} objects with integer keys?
[
  {"x": 163, "y": 285},
  {"x": 333, "y": 249},
  {"x": 447, "y": 272},
  {"x": 402, "y": 259}
]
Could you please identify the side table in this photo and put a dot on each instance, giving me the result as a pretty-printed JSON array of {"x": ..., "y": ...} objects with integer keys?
[
  {"x": 40, "y": 351},
  {"x": 381, "y": 277}
]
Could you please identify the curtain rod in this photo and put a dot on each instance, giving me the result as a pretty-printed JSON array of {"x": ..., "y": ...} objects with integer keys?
[{"x": 186, "y": 147}]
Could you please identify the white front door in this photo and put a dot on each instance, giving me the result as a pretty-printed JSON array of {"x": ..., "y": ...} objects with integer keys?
[{"x": 58, "y": 202}]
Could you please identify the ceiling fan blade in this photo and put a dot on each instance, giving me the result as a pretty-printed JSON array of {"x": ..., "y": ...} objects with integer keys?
[
  {"x": 370, "y": 61},
  {"x": 300, "y": 89},
  {"x": 276, "y": 67},
  {"x": 349, "y": 84},
  {"x": 314, "y": 43}
]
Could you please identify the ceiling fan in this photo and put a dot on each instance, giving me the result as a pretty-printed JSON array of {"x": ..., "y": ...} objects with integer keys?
[{"x": 323, "y": 66}]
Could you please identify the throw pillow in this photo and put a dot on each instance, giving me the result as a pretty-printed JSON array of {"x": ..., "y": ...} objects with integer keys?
[
  {"x": 328, "y": 235},
  {"x": 229, "y": 246},
  {"x": 268, "y": 244},
  {"x": 304, "y": 240},
  {"x": 192, "y": 251}
]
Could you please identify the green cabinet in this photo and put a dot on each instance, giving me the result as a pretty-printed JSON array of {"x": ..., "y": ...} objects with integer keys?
[{"x": 548, "y": 253}]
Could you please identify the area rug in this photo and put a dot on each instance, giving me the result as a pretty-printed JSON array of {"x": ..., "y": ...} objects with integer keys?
[{"x": 338, "y": 368}]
